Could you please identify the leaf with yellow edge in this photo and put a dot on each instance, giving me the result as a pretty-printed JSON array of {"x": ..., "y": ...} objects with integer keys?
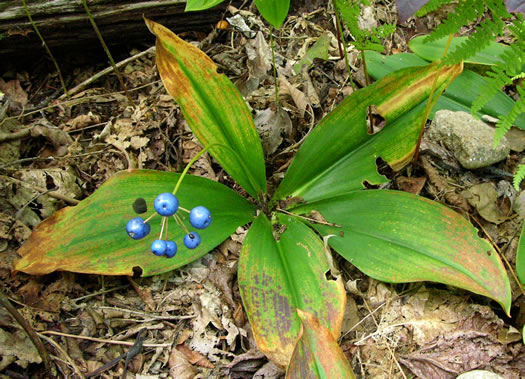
[
  {"x": 213, "y": 108},
  {"x": 317, "y": 354},
  {"x": 91, "y": 236},
  {"x": 280, "y": 271}
]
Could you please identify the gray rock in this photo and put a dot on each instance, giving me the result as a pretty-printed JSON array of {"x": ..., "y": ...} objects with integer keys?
[{"x": 470, "y": 140}]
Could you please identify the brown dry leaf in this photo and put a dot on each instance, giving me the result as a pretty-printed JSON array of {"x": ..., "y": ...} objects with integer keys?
[
  {"x": 442, "y": 186},
  {"x": 194, "y": 357},
  {"x": 247, "y": 363},
  {"x": 82, "y": 121},
  {"x": 299, "y": 98},
  {"x": 259, "y": 56},
  {"x": 484, "y": 198},
  {"x": 411, "y": 185},
  {"x": 56, "y": 136},
  {"x": 272, "y": 125},
  {"x": 180, "y": 368},
  {"x": 17, "y": 347},
  {"x": 14, "y": 91},
  {"x": 451, "y": 335}
]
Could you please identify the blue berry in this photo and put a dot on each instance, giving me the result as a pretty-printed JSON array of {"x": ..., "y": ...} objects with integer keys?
[
  {"x": 159, "y": 247},
  {"x": 171, "y": 249},
  {"x": 200, "y": 217},
  {"x": 192, "y": 240},
  {"x": 137, "y": 229},
  {"x": 166, "y": 204}
]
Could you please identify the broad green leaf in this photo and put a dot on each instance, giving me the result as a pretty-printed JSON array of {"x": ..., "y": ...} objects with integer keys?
[
  {"x": 317, "y": 354},
  {"x": 280, "y": 271},
  {"x": 458, "y": 96},
  {"x": 213, "y": 108},
  {"x": 433, "y": 51},
  {"x": 91, "y": 237},
  {"x": 273, "y": 11},
  {"x": 318, "y": 50},
  {"x": 520, "y": 258},
  {"x": 399, "y": 237},
  {"x": 339, "y": 154},
  {"x": 200, "y": 5}
]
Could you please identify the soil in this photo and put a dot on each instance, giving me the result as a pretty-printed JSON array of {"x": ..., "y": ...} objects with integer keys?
[{"x": 191, "y": 320}]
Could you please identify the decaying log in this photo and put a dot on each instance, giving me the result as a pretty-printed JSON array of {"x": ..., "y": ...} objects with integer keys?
[{"x": 64, "y": 23}]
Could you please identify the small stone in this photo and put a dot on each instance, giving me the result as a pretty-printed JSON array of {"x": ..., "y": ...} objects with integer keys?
[
  {"x": 516, "y": 139},
  {"x": 470, "y": 140}
]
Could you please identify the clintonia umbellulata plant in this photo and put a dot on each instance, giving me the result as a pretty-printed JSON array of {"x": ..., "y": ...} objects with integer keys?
[{"x": 293, "y": 296}]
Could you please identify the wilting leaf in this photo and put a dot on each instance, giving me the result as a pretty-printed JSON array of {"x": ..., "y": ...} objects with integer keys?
[
  {"x": 213, "y": 108},
  {"x": 280, "y": 270},
  {"x": 399, "y": 237},
  {"x": 317, "y": 354},
  {"x": 91, "y": 237},
  {"x": 459, "y": 96},
  {"x": 339, "y": 154}
]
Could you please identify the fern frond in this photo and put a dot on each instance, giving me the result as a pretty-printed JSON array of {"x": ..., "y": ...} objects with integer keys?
[
  {"x": 350, "y": 12},
  {"x": 504, "y": 74},
  {"x": 432, "y": 6},
  {"x": 463, "y": 14},
  {"x": 485, "y": 32},
  {"x": 519, "y": 176},
  {"x": 505, "y": 124}
]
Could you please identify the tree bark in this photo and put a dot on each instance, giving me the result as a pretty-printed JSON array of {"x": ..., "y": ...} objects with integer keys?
[{"x": 65, "y": 25}]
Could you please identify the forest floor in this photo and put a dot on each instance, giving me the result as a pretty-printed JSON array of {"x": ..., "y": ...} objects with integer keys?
[{"x": 195, "y": 325}]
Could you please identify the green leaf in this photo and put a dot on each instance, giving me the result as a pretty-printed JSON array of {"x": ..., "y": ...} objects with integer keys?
[
  {"x": 339, "y": 154},
  {"x": 399, "y": 237},
  {"x": 317, "y": 354},
  {"x": 280, "y": 274},
  {"x": 91, "y": 237},
  {"x": 459, "y": 96},
  {"x": 520, "y": 258},
  {"x": 273, "y": 11},
  {"x": 199, "y": 5},
  {"x": 213, "y": 108},
  {"x": 318, "y": 50},
  {"x": 433, "y": 51}
]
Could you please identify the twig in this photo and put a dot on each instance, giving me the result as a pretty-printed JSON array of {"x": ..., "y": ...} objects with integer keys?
[
  {"x": 101, "y": 340},
  {"x": 106, "y": 71},
  {"x": 387, "y": 345},
  {"x": 309, "y": 218},
  {"x": 53, "y": 194},
  {"x": 110, "y": 57},
  {"x": 6, "y": 137},
  {"x": 75, "y": 101},
  {"x": 64, "y": 354},
  {"x": 46, "y": 47},
  {"x": 33, "y": 336}
]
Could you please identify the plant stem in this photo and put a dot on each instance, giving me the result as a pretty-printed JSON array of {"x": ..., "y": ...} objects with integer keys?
[
  {"x": 35, "y": 339},
  {"x": 345, "y": 52},
  {"x": 428, "y": 107},
  {"x": 199, "y": 154},
  {"x": 274, "y": 68},
  {"x": 190, "y": 163},
  {"x": 46, "y": 47},
  {"x": 115, "y": 68},
  {"x": 181, "y": 223}
]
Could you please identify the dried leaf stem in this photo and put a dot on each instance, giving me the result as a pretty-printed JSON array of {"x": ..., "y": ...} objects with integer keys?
[{"x": 110, "y": 57}]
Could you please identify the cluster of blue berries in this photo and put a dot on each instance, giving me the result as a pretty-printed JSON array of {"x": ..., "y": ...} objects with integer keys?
[{"x": 166, "y": 205}]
